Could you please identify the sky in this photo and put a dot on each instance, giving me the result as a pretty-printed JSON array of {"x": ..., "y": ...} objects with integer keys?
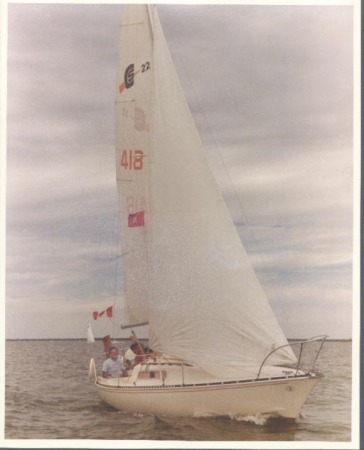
[{"x": 271, "y": 92}]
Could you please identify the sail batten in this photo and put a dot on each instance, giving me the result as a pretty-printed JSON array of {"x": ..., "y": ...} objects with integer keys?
[{"x": 186, "y": 271}]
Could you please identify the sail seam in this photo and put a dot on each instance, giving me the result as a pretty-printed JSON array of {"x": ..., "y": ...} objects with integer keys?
[{"x": 130, "y": 24}]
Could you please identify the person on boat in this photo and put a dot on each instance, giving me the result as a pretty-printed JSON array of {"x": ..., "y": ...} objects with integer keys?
[
  {"x": 135, "y": 353},
  {"x": 112, "y": 367}
]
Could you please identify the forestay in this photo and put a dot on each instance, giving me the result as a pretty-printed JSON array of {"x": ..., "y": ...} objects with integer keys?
[{"x": 186, "y": 271}]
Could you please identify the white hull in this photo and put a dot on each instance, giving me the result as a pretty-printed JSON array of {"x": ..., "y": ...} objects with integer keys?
[{"x": 279, "y": 396}]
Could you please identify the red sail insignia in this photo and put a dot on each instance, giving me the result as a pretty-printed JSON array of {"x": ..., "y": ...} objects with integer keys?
[{"x": 136, "y": 219}]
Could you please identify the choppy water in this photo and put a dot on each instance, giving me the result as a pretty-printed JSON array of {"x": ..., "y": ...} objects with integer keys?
[{"x": 48, "y": 396}]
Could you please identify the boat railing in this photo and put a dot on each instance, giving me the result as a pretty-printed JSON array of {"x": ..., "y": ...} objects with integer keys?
[
  {"x": 301, "y": 346},
  {"x": 306, "y": 359}
]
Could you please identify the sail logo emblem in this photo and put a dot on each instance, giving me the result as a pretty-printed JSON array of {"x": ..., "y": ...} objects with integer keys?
[{"x": 129, "y": 75}]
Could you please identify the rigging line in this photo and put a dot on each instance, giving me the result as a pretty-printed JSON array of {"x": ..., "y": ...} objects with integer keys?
[{"x": 117, "y": 260}]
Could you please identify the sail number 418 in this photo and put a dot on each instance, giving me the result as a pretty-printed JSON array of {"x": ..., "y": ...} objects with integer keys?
[{"x": 132, "y": 159}]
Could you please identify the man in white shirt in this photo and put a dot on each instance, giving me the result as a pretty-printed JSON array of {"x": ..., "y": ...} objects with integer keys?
[{"x": 112, "y": 367}]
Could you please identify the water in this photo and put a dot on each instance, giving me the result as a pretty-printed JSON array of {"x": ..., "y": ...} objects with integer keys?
[{"x": 48, "y": 396}]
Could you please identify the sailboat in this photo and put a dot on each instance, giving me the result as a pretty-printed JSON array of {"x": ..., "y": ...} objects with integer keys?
[
  {"x": 90, "y": 335},
  {"x": 217, "y": 347}
]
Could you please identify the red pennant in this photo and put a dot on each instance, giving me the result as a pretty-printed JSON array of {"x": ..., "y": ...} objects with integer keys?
[{"x": 95, "y": 315}]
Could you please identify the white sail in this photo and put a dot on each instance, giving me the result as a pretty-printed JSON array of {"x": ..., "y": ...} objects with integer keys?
[
  {"x": 186, "y": 271},
  {"x": 90, "y": 336}
]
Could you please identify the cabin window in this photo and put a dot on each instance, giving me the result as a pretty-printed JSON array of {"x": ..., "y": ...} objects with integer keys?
[{"x": 156, "y": 374}]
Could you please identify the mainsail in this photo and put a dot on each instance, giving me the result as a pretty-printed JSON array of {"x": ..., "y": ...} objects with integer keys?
[{"x": 186, "y": 271}]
